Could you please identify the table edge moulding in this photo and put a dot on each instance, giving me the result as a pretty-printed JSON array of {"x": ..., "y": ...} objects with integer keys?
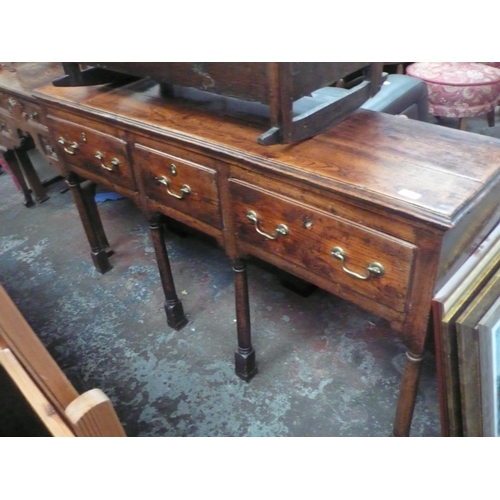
[{"x": 378, "y": 210}]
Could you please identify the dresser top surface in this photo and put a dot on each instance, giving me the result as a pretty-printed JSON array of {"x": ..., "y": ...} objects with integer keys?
[
  {"x": 418, "y": 169},
  {"x": 21, "y": 78}
]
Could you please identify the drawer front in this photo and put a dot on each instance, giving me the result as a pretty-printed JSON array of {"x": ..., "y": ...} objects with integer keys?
[
  {"x": 8, "y": 133},
  {"x": 370, "y": 263},
  {"x": 48, "y": 148},
  {"x": 179, "y": 179},
  {"x": 6, "y": 103},
  {"x": 15, "y": 107},
  {"x": 31, "y": 115},
  {"x": 95, "y": 151}
]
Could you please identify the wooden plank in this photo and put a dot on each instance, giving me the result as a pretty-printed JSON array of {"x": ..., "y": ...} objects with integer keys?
[
  {"x": 92, "y": 415},
  {"x": 33, "y": 355},
  {"x": 37, "y": 400}
]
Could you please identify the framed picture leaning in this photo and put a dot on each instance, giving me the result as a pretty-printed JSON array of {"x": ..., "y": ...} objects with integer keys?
[
  {"x": 449, "y": 302},
  {"x": 477, "y": 330}
]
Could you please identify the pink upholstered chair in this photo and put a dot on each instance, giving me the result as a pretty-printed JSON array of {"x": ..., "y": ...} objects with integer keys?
[{"x": 460, "y": 90}]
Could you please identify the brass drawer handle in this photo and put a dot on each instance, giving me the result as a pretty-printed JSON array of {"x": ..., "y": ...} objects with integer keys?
[
  {"x": 185, "y": 189},
  {"x": 114, "y": 162},
  {"x": 30, "y": 116},
  {"x": 280, "y": 228},
  {"x": 374, "y": 268},
  {"x": 73, "y": 146}
]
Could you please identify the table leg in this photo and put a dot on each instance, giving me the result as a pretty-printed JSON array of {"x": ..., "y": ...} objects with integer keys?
[
  {"x": 245, "y": 365},
  {"x": 92, "y": 225},
  {"x": 30, "y": 172},
  {"x": 491, "y": 118},
  {"x": 88, "y": 189},
  {"x": 17, "y": 174},
  {"x": 173, "y": 306},
  {"x": 408, "y": 394}
]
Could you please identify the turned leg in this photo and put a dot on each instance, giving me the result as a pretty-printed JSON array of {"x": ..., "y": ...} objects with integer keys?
[
  {"x": 173, "y": 306},
  {"x": 88, "y": 190},
  {"x": 91, "y": 224},
  {"x": 17, "y": 174},
  {"x": 408, "y": 394},
  {"x": 30, "y": 172},
  {"x": 491, "y": 118},
  {"x": 245, "y": 365}
]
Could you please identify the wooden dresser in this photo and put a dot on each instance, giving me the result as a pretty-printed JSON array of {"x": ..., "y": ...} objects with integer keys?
[
  {"x": 22, "y": 123},
  {"x": 378, "y": 210}
]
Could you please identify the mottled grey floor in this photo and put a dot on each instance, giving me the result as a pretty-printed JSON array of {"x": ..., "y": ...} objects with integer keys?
[{"x": 326, "y": 368}]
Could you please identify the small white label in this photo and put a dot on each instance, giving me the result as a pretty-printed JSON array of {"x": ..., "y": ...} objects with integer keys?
[{"x": 409, "y": 194}]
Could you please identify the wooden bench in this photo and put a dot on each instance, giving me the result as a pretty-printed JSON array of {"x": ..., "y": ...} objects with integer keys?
[{"x": 51, "y": 395}]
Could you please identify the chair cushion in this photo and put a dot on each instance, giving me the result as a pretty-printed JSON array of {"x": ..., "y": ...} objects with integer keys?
[
  {"x": 457, "y": 74},
  {"x": 459, "y": 90}
]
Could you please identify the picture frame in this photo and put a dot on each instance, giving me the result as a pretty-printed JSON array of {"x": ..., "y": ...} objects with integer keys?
[
  {"x": 477, "y": 330},
  {"x": 489, "y": 342},
  {"x": 448, "y": 303}
]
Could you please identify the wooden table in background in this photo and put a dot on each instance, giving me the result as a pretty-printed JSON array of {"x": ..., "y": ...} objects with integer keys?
[{"x": 22, "y": 124}]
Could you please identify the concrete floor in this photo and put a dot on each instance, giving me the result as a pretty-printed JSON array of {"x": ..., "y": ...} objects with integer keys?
[{"x": 326, "y": 368}]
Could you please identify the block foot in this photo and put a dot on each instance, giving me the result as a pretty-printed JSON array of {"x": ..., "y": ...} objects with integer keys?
[
  {"x": 245, "y": 365},
  {"x": 101, "y": 261},
  {"x": 175, "y": 315}
]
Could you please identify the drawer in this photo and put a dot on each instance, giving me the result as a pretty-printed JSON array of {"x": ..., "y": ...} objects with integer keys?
[
  {"x": 180, "y": 180},
  {"x": 6, "y": 102},
  {"x": 48, "y": 147},
  {"x": 95, "y": 151},
  {"x": 31, "y": 115},
  {"x": 15, "y": 107},
  {"x": 23, "y": 114},
  {"x": 8, "y": 133},
  {"x": 368, "y": 262}
]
